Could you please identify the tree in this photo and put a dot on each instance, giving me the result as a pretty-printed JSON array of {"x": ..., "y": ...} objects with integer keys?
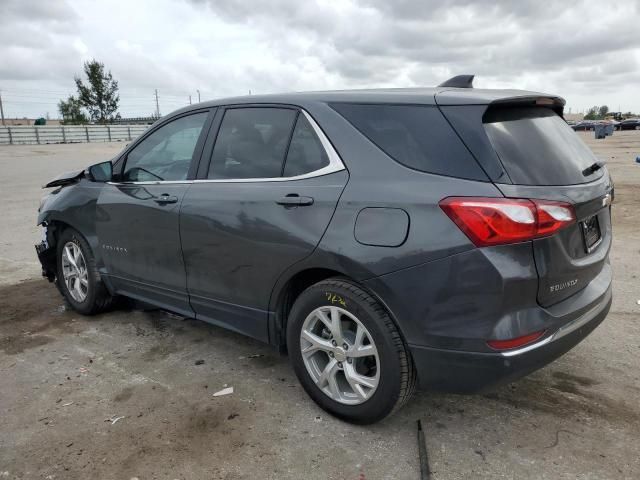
[
  {"x": 591, "y": 114},
  {"x": 597, "y": 113},
  {"x": 71, "y": 111},
  {"x": 602, "y": 111},
  {"x": 100, "y": 95}
]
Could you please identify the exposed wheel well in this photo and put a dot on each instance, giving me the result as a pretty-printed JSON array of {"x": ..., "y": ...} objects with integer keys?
[
  {"x": 49, "y": 261},
  {"x": 57, "y": 227}
]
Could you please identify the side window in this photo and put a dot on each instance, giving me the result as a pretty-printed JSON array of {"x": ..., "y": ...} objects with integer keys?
[
  {"x": 251, "y": 143},
  {"x": 306, "y": 153},
  {"x": 166, "y": 154}
]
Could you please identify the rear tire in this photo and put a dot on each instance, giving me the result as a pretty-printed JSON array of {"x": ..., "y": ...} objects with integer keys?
[
  {"x": 368, "y": 373},
  {"x": 77, "y": 277}
]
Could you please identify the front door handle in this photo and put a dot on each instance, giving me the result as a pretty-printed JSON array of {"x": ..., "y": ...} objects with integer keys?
[
  {"x": 295, "y": 200},
  {"x": 165, "y": 198}
]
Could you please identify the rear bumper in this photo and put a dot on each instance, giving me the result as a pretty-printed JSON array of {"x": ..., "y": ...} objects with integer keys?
[{"x": 470, "y": 372}]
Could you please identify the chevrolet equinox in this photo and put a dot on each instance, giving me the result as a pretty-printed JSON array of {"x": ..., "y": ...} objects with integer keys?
[{"x": 446, "y": 238}]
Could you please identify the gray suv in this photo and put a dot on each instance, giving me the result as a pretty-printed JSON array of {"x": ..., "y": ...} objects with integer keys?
[{"x": 448, "y": 238}]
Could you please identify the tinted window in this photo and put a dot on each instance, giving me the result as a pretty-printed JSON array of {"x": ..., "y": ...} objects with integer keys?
[
  {"x": 252, "y": 143},
  {"x": 416, "y": 136},
  {"x": 166, "y": 154},
  {"x": 306, "y": 153},
  {"x": 537, "y": 147}
]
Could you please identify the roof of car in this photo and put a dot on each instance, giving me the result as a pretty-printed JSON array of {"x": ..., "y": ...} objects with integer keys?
[
  {"x": 413, "y": 96},
  {"x": 427, "y": 96}
]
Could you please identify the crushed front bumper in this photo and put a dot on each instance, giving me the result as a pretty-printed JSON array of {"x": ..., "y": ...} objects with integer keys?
[{"x": 47, "y": 256}]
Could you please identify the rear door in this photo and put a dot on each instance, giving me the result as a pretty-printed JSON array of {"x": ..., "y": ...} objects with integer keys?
[
  {"x": 261, "y": 203},
  {"x": 137, "y": 219},
  {"x": 546, "y": 159}
]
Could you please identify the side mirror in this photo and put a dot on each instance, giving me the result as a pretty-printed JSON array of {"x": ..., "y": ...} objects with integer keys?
[{"x": 100, "y": 172}]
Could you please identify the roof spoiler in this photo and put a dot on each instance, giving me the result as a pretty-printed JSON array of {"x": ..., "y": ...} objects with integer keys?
[{"x": 459, "y": 81}]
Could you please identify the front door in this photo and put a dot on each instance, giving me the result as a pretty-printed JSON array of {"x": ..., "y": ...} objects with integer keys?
[
  {"x": 138, "y": 215},
  {"x": 272, "y": 186}
]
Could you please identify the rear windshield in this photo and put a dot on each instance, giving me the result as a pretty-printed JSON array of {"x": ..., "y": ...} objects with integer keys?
[
  {"x": 418, "y": 137},
  {"x": 537, "y": 147}
]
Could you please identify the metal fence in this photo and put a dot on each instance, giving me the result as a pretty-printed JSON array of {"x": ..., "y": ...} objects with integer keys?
[{"x": 24, "y": 135}]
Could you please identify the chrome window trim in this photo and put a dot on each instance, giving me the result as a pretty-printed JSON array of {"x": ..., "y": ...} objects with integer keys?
[{"x": 335, "y": 165}]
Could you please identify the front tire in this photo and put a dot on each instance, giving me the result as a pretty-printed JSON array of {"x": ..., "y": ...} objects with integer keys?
[
  {"x": 77, "y": 276},
  {"x": 347, "y": 352}
]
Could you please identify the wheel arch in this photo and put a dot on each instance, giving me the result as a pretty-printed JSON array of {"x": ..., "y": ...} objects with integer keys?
[
  {"x": 58, "y": 222},
  {"x": 48, "y": 257},
  {"x": 299, "y": 282},
  {"x": 55, "y": 225}
]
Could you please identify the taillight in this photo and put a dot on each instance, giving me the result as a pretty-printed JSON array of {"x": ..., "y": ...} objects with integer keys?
[
  {"x": 497, "y": 221},
  {"x": 552, "y": 216}
]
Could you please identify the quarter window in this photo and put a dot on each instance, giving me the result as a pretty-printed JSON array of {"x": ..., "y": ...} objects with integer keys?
[
  {"x": 167, "y": 153},
  {"x": 418, "y": 137},
  {"x": 251, "y": 143},
  {"x": 306, "y": 153}
]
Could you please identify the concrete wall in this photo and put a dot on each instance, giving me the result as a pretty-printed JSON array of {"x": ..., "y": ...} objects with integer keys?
[{"x": 22, "y": 135}]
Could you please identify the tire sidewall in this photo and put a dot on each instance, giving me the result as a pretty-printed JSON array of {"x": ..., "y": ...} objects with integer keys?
[
  {"x": 85, "y": 306},
  {"x": 384, "y": 399}
]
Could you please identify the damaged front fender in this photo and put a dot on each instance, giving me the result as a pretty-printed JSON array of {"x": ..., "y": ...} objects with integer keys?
[{"x": 65, "y": 179}]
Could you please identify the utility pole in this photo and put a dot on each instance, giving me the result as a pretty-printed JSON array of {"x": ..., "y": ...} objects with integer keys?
[
  {"x": 157, "y": 105},
  {"x": 1, "y": 109},
  {"x": 198, "y": 95},
  {"x": 189, "y": 99}
]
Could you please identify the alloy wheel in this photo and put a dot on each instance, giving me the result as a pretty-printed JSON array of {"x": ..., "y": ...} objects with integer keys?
[
  {"x": 74, "y": 272},
  {"x": 339, "y": 354}
]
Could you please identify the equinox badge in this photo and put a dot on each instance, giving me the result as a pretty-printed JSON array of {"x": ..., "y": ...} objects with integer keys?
[{"x": 561, "y": 286}]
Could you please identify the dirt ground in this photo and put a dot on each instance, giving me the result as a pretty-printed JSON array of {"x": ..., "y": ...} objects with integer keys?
[{"x": 125, "y": 394}]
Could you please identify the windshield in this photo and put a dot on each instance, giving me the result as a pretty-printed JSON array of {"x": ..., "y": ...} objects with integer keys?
[{"x": 537, "y": 147}]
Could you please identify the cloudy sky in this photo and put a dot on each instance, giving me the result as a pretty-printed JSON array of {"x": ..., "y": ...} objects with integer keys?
[{"x": 587, "y": 52}]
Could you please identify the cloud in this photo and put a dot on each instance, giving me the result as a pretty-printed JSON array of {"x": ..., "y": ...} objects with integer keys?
[{"x": 228, "y": 47}]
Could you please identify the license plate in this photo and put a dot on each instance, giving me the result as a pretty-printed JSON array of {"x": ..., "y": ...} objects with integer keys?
[{"x": 591, "y": 233}]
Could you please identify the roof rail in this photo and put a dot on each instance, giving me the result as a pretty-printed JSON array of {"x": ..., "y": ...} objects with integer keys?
[{"x": 459, "y": 81}]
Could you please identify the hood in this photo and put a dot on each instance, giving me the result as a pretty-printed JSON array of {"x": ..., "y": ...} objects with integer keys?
[{"x": 65, "y": 179}]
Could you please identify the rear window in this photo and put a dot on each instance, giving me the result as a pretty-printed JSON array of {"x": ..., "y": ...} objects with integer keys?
[
  {"x": 418, "y": 137},
  {"x": 537, "y": 147}
]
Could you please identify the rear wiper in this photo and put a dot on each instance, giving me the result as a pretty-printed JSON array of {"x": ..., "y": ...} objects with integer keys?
[{"x": 593, "y": 168}]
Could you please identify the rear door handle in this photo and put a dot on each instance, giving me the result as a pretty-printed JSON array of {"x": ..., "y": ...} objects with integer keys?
[
  {"x": 165, "y": 198},
  {"x": 295, "y": 200}
]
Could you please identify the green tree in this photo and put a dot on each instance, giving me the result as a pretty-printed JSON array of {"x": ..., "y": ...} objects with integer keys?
[
  {"x": 602, "y": 111},
  {"x": 71, "y": 111},
  {"x": 597, "y": 113},
  {"x": 100, "y": 94},
  {"x": 591, "y": 114}
]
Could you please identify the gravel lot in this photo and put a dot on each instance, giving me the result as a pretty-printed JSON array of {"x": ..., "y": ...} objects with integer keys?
[{"x": 120, "y": 395}]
